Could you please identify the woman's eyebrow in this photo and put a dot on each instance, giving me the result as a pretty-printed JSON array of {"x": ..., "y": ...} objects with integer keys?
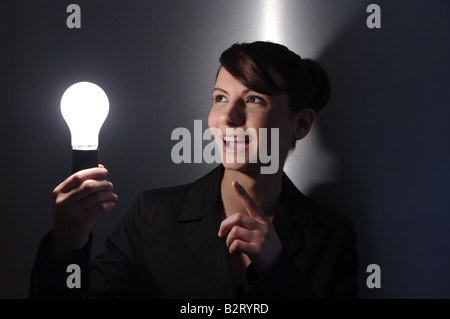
[
  {"x": 222, "y": 90},
  {"x": 219, "y": 89}
]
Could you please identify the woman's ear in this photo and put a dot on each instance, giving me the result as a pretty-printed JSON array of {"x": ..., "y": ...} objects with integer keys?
[{"x": 303, "y": 123}]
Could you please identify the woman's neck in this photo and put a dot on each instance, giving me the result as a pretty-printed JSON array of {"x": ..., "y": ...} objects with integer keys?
[{"x": 265, "y": 189}]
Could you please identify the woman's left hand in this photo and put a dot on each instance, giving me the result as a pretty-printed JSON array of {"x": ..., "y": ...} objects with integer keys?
[{"x": 252, "y": 234}]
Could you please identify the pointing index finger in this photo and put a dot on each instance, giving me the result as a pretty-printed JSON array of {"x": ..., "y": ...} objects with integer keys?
[{"x": 250, "y": 205}]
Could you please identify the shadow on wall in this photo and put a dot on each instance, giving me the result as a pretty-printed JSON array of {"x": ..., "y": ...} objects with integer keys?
[
  {"x": 344, "y": 130},
  {"x": 383, "y": 170}
]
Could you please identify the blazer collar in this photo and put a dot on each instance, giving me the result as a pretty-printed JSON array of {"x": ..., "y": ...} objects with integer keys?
[
  {"x": 202, "y": 196},
  {"x": 205, "y": 193}
]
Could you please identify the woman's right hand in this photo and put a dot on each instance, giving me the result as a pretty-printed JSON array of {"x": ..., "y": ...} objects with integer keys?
[{"x": 78, "y": 202}]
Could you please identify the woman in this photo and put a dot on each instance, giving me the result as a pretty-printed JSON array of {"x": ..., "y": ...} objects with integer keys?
[{"x": 235, "y": 232}]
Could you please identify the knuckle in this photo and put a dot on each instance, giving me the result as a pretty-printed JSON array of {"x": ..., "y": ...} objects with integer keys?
[
  {"x": 77, "y": 178},
  {"x": 234, "y": 230},
  {"x": 88, "y": 185},
  {"x": 238, "y": 217},
  {"x": 236, "y": 245},
  {"x": 107, "y": 184}
]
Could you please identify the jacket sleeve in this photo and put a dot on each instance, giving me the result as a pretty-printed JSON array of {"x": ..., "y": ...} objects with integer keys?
[
  {"x": 68, "y": 279},
  {"x": 115, "y": 273},
  {"x": 112, "y": 274}
]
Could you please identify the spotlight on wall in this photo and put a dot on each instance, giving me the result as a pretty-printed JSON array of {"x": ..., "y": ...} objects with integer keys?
[{"x": 84, "y": 107}]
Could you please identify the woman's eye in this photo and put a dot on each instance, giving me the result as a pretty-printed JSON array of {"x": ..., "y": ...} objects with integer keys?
[
  {"x": 256, "y": 100},
  {"x": 220, "y": 98}
]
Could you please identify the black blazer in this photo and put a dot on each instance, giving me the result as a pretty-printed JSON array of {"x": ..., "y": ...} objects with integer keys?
[{"x": 166, "y": 246}]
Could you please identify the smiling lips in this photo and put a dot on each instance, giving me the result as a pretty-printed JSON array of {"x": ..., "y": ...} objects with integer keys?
[{"x": 236, "y": 142}]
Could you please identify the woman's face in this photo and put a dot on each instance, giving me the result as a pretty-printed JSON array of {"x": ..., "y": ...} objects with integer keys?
[{"x": 238, "y": 118}]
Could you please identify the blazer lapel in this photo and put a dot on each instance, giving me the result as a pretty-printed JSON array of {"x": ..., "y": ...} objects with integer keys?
[
  {"x": 293, "y": 215},
  {"x": 200, "y": 220}
]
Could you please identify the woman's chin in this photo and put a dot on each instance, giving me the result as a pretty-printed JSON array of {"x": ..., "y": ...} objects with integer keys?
[{"x": 241, "y": 167}]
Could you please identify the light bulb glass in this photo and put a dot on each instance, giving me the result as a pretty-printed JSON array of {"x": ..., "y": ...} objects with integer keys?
[{"x": 84, "y": 107}]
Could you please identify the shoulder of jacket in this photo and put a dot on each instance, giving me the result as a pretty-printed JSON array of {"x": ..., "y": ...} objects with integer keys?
[{"x": 326, "y": 216}]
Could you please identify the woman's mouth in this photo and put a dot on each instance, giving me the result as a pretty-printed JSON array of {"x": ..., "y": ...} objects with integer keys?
[{"x": 236, "y": 142}]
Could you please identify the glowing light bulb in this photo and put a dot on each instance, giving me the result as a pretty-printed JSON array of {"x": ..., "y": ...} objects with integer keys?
[{"x": 84, "y": 107}]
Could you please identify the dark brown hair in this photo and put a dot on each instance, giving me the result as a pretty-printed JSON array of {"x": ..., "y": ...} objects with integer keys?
[{"x": 304, "y": 81}]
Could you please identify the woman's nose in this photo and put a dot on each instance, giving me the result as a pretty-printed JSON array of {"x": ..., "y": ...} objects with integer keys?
[{"x": 234, "y": 115}]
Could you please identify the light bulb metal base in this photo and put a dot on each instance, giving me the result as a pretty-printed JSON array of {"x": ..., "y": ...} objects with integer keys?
[{"x": 82, "y": 159}]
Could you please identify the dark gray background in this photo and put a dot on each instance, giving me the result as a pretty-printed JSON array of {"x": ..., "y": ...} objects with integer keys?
[{"x": 378, "y": 153}]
